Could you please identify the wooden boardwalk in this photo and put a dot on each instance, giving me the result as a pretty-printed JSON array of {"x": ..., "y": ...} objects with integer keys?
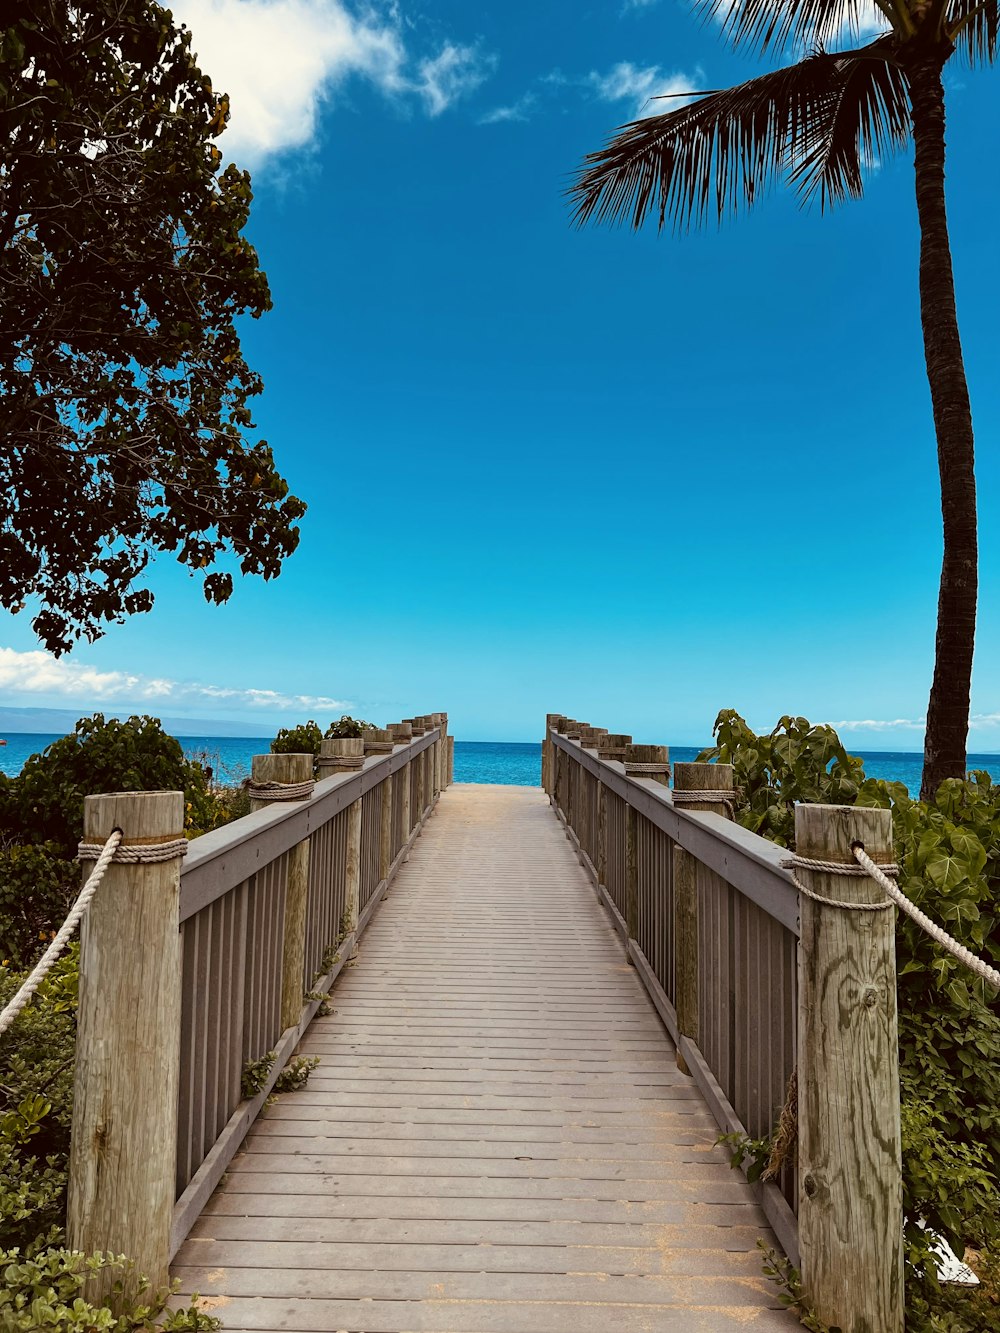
[{"x": 497, "y": 1139}]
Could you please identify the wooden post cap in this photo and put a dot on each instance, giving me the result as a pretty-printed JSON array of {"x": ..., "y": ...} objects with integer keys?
[
  {"x": 612, "y": 746},
  {"x": 144, "y": 817},
  {"x": 589, "y": 736},
  {"x": 648, "y": 761},
  {"x": 401, "y": 732},
  {"x": 377, "y": 741},
  {"x": 710, "y": 779},
  {"x": 826, "y": 832},
  {"x": 341, "y": 754},
  {"x": 269, "y": 773},
  {"x": 563, "y": 724}
]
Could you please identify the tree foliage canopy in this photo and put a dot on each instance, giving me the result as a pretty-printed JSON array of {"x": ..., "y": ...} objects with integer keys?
[{"x": 123, "y": 268}]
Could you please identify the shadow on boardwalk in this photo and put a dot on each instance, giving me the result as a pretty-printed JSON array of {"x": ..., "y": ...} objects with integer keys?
[{"x": 497, "y": 1139}]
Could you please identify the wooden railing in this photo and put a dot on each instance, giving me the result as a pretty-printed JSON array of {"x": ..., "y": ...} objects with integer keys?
[
  {"x": 747, "y": 984},
  {"x": 250, "y": 932}
]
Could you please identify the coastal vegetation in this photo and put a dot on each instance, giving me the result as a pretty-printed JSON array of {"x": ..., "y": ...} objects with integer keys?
[
  {"x": 123, "y": 273},
  {"x": 819, "y": 125},
  {"x": 307, "y": 737},
  {"x": 41, "y": 823},
  {"x": 948, "y": 851}
]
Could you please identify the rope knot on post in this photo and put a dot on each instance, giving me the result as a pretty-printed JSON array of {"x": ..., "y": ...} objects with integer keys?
[
  {"x": 725, "y": 796},
  {"x": 794, "y": 863},
  {"x": 280, "y": 791},
  {"x": 645, "y": 770},
  {"x": 133, "y": 853}
]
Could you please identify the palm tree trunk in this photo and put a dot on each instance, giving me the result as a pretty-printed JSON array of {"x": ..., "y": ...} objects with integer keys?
[{"x": 948, "y": 708}]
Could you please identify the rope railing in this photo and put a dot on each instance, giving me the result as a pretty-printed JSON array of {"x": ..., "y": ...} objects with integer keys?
[
  {"x": 76, "y": 914},
  {"x": 940, "y": 936},
  {"x": 881, "y": 875}
]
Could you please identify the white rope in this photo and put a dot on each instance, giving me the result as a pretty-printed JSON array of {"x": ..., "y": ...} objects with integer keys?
[
  {"x": 835, "y": 868},
  {"x": 139, "y": 853},
  {"x": 280, "y": 791},
  {"x": 48, "y": 959},
  {"x": 982, "y": 969},
  {"x": 685, "y": 797}
]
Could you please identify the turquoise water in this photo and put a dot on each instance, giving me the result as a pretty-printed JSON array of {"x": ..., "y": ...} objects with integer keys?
[{"x": 475, "y": 761}]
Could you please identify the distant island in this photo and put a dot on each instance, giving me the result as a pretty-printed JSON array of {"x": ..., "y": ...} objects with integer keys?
[{"x": 60, "y": 721}]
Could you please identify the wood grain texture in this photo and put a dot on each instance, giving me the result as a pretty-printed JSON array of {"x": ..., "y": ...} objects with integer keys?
[
  {"x": 290, "y": 768},
  {"x": 497, "y": 1137},
  {"x": 124, "y": 1147},
  {"x": 850, "y": 1191}
]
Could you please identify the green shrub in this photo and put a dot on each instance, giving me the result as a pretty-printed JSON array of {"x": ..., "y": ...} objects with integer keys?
[
  {"x": 45, "y": 802},
  {"x": 949, "y": 1023},
  {"x": 45, "y": 1291},
  {"x": 37, "y": 889},
  {"x": 36, "y": 1107},
  {"x": 348, "y": 726},
  {"x": 304, "y": 739},
  {"x": 307, "y": 737}
]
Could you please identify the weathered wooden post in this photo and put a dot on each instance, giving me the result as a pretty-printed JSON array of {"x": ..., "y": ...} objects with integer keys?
[
  {"x": 690, "y": 782},
  {"x": 378, "y": 741},
  {"x": 573, "y": 733},
  {"x": 451, "y": 760},
  {"x": 850, "y": 1190},
  {"x": 548, "y": 777},
  {"x": 444, "y": 750},
  {"x": 288, "y": 777},
  {"x": 402, "y": 734},
  {"x": 346, "y": 754},
  {"x": 648, "y": 763},
  {"x": 560, "y": 777},
  {"x": 122, "y": 1168},
  {"x": 610, "y": 749}
]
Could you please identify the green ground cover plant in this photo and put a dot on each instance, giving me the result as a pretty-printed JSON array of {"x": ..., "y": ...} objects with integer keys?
[{"x": 948, "y": 850}]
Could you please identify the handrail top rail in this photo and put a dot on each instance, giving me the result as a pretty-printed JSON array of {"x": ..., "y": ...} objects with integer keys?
[
  {"x": 220, "y": 860},
  {"x": 750, "y": 863}
]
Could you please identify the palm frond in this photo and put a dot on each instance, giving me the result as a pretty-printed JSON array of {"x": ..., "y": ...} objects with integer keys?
[
  {"x": 867, "y": 118},
  {"x": 973, "y": 26},
  {"x": 806, "y": 24},
  {"x": 815, "y": 123}
]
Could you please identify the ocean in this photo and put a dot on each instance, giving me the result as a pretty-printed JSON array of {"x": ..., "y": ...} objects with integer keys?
[{"x": 475, "y": 761}]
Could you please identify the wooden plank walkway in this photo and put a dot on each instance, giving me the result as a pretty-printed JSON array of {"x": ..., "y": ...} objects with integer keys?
[{"x": 497, "y": 1139}]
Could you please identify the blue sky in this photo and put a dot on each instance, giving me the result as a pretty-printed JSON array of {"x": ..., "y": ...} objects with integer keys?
[{"x": 629, "y": 477}]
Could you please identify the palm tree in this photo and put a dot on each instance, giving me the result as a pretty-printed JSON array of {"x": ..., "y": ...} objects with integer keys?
[{"x": 817, "y": 124}]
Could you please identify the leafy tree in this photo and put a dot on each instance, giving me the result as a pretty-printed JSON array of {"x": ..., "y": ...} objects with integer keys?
[
  {"x": 818, "y": 124},
  {"x": 123, "y": 268}
]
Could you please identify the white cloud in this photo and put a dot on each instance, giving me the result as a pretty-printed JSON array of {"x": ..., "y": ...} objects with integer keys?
[
  {"x": 520, "y": 110},
  {"x": 869, "y": 724},
  {"x": 37, "y": 673},
  {"x": 458, "y": 70},
  {"x": 626, "y": 82},
  {"x": 280, "y": 59}
]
